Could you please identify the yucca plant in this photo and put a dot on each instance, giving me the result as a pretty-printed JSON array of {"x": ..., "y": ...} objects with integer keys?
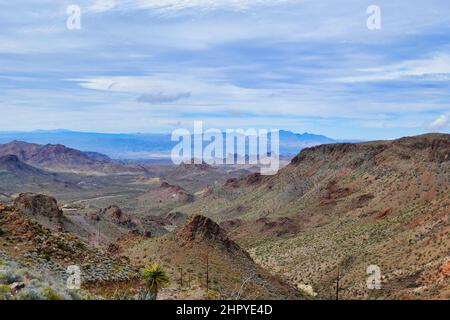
[{"x": 155, "y": 278}]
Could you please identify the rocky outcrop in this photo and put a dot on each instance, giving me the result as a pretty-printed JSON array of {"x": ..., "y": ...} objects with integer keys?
[
  {"x": 277, "y": 227},
  {"x": 445, "y": 269},
  {"x": 436, "y": 145},
  {"x": 113, "y": 213},
  {"x": 176, "y": 218},
  {"x": 200, "y": 228},
  {"x": 231, "y": 183},
  {"x": 229, "y": 225},
  {"x": 41, "y": 208},
  {"x": 52, "y": 252},
  {"x": 253, "y": 178},
  {"x": 191, "y": 164},
  {"x": 177, "y": 192}
]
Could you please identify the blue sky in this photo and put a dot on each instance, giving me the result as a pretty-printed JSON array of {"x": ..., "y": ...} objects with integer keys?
[{"x": 158, "y": 65}]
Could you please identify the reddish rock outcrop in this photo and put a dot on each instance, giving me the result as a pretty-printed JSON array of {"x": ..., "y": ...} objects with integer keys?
[
  {"x": 37, "y": 204},
  {"x": 200, "y": 229},
  {"x": 177, "y": 192},
  {"x": 231, "y": 183},
  {"x": 113, "y": 213},
  {"x": 41, "y": 208},
  {"x": 229, "y": 225},
  {"x": 445, "y": 269}
]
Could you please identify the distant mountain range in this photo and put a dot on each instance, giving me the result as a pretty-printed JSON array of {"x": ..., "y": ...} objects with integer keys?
[
  {"x": 24, "y": 156},
  {"x": 142, "y": 146}
]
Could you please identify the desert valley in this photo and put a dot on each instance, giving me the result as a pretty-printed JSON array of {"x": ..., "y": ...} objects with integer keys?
[{"x": 226, "y": 232}]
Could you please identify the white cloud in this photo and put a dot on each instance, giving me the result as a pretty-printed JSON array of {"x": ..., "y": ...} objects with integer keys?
[
  {"x": 103, "y": 5},
  {"x": 213, "y": 94},
  {"x": 435, "y": 68},
  {"x": 176, "y": 5},
  {"x": 440, "y": 123}
]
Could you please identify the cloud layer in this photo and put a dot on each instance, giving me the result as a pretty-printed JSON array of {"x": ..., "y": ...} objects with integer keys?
[{"x": 153, "y": 65}]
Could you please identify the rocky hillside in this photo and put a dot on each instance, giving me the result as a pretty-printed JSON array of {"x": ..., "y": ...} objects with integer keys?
[
  {"x": 201, "y": 250},
  {"x": 49, "y": 252},
  {"x": 18, "y": 176},
  {"x": 62, "y": 159},
  {"x": 346, "y": 206}
]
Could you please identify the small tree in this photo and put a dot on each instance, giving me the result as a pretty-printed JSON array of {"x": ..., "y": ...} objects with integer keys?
[{"x": 155, "y": 278}]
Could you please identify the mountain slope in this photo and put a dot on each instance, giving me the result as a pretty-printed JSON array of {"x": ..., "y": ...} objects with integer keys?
[
  {"x": 12, "y": 164},
  {"x": 349, "y": 205},
  {"x": 27, "y": 242},
  {"x": 200, "y": 243},
  {"x": 17, "y": 176},
  {"x": 62, "y": 159}
]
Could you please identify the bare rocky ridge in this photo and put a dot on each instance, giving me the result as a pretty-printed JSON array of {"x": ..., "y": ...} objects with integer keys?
[
  {"x": 200, "y": 228},
  {"x": 347, "y": 204}
]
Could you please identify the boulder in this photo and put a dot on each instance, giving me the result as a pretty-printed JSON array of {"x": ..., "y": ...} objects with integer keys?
[
  {"x": 112, "y": 213},
  {"x": 41, "y": 208},
  {"x": 33, "y": 204}
]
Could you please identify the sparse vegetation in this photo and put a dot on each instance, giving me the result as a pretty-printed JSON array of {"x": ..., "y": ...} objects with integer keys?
[{"x": 155, "y": 278}]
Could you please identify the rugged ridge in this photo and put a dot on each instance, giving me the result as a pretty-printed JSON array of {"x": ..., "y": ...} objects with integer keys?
[
  {"x": 340, "y": 204},
  {"x": 200, "y": 228}
]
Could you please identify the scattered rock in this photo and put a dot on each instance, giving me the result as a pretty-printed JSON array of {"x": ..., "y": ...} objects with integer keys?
[
  {"x": 253, "y": 178},
  {"x": 383, "y": 213},
  {"x": 176, "y": 218},
  {"x": 445, "y": 269},
  {"x": 114, "y": 248},
  {"x": 229, "y": 225},
  {"x": 231, "y": 183},
  {"x": 94, "y": 217},
  {"x": 16, "y": 286}
]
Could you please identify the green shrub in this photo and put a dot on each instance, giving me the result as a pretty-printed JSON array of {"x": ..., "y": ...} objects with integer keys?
[
  {"x": 5, "y": 292},
  {"x": 30, "y": 294},
  {"x": 51, "y": 294}
]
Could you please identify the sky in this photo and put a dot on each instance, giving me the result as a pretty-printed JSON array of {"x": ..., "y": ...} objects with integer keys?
[{"x": 159, "y": 65}]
